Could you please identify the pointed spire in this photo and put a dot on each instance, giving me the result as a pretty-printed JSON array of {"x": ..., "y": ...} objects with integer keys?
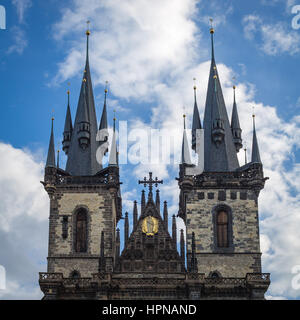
[
  {"x": 174, "y": 229},
  {"x": 196, "y": 120},
  {"x": 135, "y": 214},
  {"x": 113, "y": 157},
  {"x": 212, "y": 31},
  {"x": 194, "y": 265},
  {"x": 117, "y": 246},
  {"x": 185, "y": 152},
  {"x": 235, "y": 125},
  {"x": 166, "y": 214},
  {"x": 102, "y": 257},
  {"x": 255, "y": 150},
  {"x": 143, "y": 202},
  {"x": 68, "y": 127},
  {"x": 157, "y": 201},
  {"x": 219, "y": 149},
  {"x": 51, "y": 151},
  {"x": 182, "y": 248},
  {"x": 126, "y": 229},
  {"x": 103, "y": 122},
  {"x": 85, "y": 163},
  {"x": 245, "y": 150}
]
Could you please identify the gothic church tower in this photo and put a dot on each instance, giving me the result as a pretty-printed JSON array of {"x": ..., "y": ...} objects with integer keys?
[
  {"x": 85, "y": 200},
  {"x": 220, "y": 205}
]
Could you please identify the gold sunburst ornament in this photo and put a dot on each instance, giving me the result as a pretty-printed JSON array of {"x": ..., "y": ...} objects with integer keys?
[{"x": 150, "y": 226}]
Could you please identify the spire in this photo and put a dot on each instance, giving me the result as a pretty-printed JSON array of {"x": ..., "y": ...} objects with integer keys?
[
  {"x": 185, "y": 152},
  {"x": 103, "y": 121},
  {"x": 157, "y": 201},
  {"x": 117, "y": 246},
  {"x": 212, "y": 31},
  {"x": 196, "y": 120},
  {"x": 174, "y": 230},
  {"x": 135, "y": 214},
  {"x": 166, "y": 214},
  {"x": 68, "y": 128},
  {"x": 235, "y": 125},
  {"x": 83, "y": 147},
  {"x": 126, "y": 229},
  {"x": 255, "y": 150},
  {"x": 245, "y": 150},
  {"x": 102, "y": 258},
  {"x": 194, "y": 265},
  {"x": 182, "y": 249},
  {"x": 113, "y": 156},
  {"x": 219, "y": 149},
  {"x": 51, "y": 151},
  {"x": 143, "y": 202}
]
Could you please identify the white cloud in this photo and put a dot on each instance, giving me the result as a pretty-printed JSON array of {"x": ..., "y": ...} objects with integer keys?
[
  {"x": 272, "y": 39},
  {"x": 20, "y": 41},
  {"x": 23, "y": 222},
  {"x": 22, "y": 6}
]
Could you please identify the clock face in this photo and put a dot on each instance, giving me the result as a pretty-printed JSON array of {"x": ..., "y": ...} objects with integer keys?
[{"x": 150, "y": 226}]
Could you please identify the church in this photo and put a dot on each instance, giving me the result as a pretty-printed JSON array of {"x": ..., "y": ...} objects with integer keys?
[{"x": 219, "y": 256}]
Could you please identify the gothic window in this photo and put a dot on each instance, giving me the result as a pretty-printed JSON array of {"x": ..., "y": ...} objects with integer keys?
[
  {"x": 222, "y": 229},
  {"x": 81, "y": 231}
]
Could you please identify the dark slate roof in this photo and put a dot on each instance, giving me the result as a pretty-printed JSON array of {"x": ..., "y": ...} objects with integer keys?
[
  {"x": 255, "y": 150},
  {"x": 103, "y": 121},
  {"x": 223, "y": 157},
  {"x": 235, "y": 122},
  {"x": 83, "y": 162},
  {"x": 68, "y": 121},
  {"x": 196, "y": 121},
  {"x": 51, "y": 151}
]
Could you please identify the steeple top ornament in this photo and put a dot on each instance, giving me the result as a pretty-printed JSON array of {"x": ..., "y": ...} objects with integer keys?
[
  {"x": 211, "y": 30},
  {"x": 151, "y": 182},
  {"x": 88, "y": 32}
]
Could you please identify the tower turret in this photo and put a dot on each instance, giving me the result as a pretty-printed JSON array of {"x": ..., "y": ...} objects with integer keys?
[{"x": 235, "y": 125}]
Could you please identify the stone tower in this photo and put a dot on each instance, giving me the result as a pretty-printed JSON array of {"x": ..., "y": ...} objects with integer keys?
[
  {"x": 85, "y": 200},
  {"x": 220, "y": 205}
]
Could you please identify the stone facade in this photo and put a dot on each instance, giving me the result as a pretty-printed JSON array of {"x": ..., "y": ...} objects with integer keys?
[{"x": 101, "y": 204}]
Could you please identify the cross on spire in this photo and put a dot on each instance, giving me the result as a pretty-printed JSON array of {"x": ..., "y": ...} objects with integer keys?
[{"x": 151, "y": 182}]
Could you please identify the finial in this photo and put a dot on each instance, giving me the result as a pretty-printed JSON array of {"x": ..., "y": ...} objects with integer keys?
[
  {"x": 184, "y": 116},
  {"x": 245, "y": 149},
  {"x": 194, "y": 79},
  {"x": 253, "y": 113},
  {"x": 114, "y": 119},
  {"x": 106, "y": 85},
  {"x": 212, "y": 31},
  {"x": 88, "y": 32}
]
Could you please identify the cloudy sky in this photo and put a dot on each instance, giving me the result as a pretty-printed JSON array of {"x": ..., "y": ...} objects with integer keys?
[{"x": 149, "y": 51}]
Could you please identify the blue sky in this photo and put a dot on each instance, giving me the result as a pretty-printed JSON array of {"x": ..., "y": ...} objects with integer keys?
[{"x": 150, "y": 52}]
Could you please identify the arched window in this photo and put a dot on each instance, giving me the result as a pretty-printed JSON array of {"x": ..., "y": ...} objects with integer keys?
[
  {"x": 222, "y": 229},
  {"x": 81, "y": 231}
]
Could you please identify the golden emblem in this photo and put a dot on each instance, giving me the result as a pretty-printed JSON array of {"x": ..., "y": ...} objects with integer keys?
[{"x": 150, "y": 226}]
